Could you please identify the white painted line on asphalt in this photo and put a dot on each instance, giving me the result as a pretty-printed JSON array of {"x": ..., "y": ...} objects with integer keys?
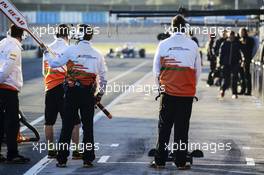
[
  {"x": 127, "y": 72},
  {"x": 103, "y": 159},
  {"x": 39, "y": 166},
  {"x": 251, "y": 148},
  {"x": 201, "y": 164},
  {"x": 114, "y": 145},
  {"x": 250, "y": 161},
  {"x": 127, "y": 162},
  {"x": 41, "y": 118},
  {"x": 99, "y": 115},
  {"x": 246, "y": 148},
  {"x": 96, "y": 118},
  {"x": 225, "y": 171}
]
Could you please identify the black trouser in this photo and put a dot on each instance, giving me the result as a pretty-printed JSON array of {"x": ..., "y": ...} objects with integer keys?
[
  {"x": 173, "y": 111},
  {"x": 54, "y": 102},
  {"x": 248, "y": 86},
  {"x": 9, "y": 120},
  {"x": 230, "y": 73},
  {"x": 242, "y": 79},
  {"x": 77, "y": 98},
  {"x": 210, "y": 80}
]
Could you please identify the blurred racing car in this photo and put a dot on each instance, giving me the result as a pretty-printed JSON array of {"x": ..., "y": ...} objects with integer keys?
[{"x": 127, "y": 51}]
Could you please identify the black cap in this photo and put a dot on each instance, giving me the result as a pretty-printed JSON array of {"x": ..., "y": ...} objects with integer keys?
[
  {"x": 16, "y": 32},
  {"x": 178, "y": 23},
  {"x": 87, "y": 30},
  {"x": 63, "y": 30}
]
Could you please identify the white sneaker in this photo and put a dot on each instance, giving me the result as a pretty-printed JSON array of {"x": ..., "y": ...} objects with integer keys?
[{"x": 234, "y": 96}]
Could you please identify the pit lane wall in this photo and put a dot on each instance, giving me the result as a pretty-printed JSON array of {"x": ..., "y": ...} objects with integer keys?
[
  {"x": 257, "y": 65},
  {"x": 3, "y": 25}
]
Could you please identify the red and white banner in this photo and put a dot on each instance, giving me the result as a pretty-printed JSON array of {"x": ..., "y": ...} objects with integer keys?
[
  {"x": 16, "y": 17},
  {"x": 13, "y": 14}
]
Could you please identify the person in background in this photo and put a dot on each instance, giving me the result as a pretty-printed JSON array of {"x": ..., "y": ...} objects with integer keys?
[
  {"x": 230, "y": 60},
  {"x": 211, "y": 58},
  {"x": 256, "y": 44},
  {"x": 247, "y": 45},
  {"x": 195, "y": 39},
  {"x": 218, "y": 43}
]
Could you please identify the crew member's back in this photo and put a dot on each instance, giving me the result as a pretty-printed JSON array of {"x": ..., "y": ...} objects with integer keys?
[
  {"x": 177, "y": 59},
  {"x": 177, "y": 67}
]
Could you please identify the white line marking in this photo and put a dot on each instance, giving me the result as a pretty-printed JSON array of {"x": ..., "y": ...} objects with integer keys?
[
  {"x": 127, "y": 72},
  {"x": 127, "y": 162},
  {"x": 114, "y": 145},
  {"x": 103, "y": 159},
  {"x": 251, "y": 148},
  {"x": 250, "y": 161},
  {"x": 246, "y": 148},
  {"x": 41, "y": 118},
  {"x": 201, "y": 164},
  {"x": 225, "y": 171},
  {"x": 99, "y": 115},
  {"x": 38, "y": 166}
]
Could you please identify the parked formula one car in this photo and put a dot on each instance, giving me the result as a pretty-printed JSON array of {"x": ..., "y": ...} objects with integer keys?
[{"x": 127, "y": 51}]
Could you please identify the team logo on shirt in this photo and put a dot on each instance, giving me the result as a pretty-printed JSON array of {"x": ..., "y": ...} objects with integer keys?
[
  {"x": 177, "y": 48},
  {"x": 13, "y": 56},
  {"x": 86, "y": 56}
]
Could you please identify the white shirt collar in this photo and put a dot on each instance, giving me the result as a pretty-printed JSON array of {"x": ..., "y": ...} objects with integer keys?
[
  {"x": 62, "y": 40},
  {"x": 14, "y": 40},
  {"x": 59, "y": 39},
  {"x": 85, "y": 42},
  {"x": 178, "y": 34}
]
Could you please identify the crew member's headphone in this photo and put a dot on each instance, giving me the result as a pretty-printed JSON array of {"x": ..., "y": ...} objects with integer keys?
[
  {"x": 57, "y": 33},
  {"x": 23, "y": 37}
]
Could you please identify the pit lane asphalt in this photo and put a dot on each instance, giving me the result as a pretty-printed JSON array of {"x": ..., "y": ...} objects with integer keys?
[
  {"x": 125, "y": 140},
  {"x": 32, "y": 100}
]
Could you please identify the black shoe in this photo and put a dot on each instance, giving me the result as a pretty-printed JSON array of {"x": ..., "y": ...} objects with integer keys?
[
  {"x": 234, "y": 96},
  {"x": 61, "y": 165},
  {"x": 2, "y": 158},
  {"x": 87, "y": 164},
  {"x": 76, "y": 155},
  {"x": 222, "y": 94},
  {"x": 52, "y": 154},
  {"x": 185, "y": 166},
  {"x": 155, "y": 165},
  {"x": 248, "y": 94},
  {"x": 242, "y": 92},
  {"x": 18, "y": 160}
]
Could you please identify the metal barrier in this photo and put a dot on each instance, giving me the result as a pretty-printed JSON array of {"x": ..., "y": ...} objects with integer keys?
[
  {"x": 253, "y": 79},
  {"x": 260, "y": 80},
  {"x": 262, "y": 94},
  {"x": 3, "y": 24},
  {"x": 257, "y": 75}
]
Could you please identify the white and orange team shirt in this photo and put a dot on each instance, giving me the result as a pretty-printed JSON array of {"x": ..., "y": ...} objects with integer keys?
[
  {"x": 54, "y": 76},
  {"x": 177, "y": 65},
  {"x": 84, "y": 63},
  {"x": 10, "y": 64}
]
